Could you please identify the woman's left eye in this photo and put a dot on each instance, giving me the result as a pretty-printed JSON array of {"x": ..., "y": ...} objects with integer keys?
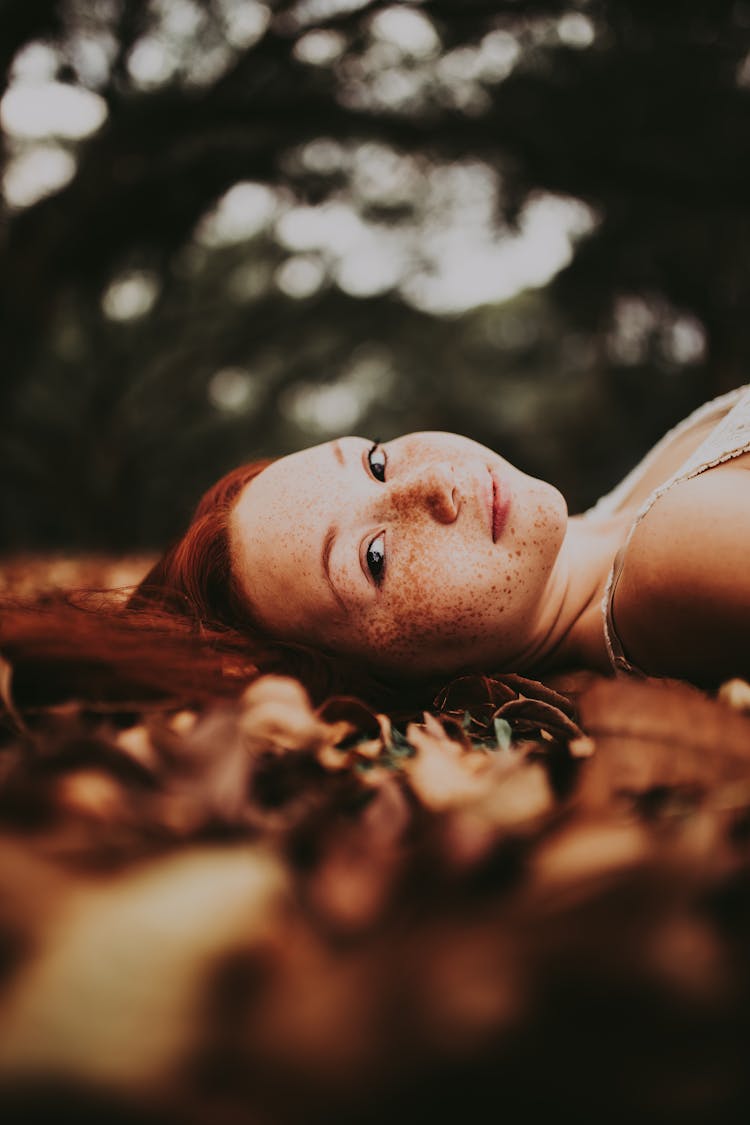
[
  {"x": 377, "y": 461},
  {"x": 376, "y": 558}
]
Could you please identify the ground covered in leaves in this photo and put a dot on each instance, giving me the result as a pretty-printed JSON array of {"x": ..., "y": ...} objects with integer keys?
[{"x": 529, "y": 900}]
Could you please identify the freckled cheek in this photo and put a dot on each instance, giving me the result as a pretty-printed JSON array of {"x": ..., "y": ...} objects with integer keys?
[
  {"x": 457, "y": 581},
  {"x": 418, "y": 634},
  {"x": 448, "y": 597},
  {"x": 436, "y": 575},
  {"x": 431, "y": 609}
]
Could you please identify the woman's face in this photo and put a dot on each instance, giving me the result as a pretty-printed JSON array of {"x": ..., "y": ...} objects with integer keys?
[{"x": 427, "y": 554}]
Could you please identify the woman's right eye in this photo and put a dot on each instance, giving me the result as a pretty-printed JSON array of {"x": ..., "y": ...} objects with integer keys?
[
  {"x": 375, "y": 558},
  {"x": 377, "y": 460}
]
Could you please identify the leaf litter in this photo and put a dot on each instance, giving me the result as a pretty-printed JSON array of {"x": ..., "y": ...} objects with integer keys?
[{"x": 263, "y": 911}]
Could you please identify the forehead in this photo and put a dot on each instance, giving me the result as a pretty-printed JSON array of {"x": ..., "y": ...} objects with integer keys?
[
  {"x": 282, "y": 490},
  {"x": 280, "y": 475},
  {"x": 277, "y": 529}
]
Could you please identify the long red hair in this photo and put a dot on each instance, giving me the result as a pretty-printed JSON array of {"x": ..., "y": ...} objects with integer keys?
[{"x": 184, "y": 634}]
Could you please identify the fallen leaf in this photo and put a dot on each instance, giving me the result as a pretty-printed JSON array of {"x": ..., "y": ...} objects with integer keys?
[
  {"x": 6, "y": 696},
  {"x": 735, "y": 693},
  {"x": 439, "y": 772},
  {"x": 655, "y": 734}
]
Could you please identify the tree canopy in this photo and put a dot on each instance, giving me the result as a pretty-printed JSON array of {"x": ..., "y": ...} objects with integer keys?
[{"x": 237, "y": 228}]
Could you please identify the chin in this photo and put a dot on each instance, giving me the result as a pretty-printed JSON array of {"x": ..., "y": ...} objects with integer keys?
[
  {"x": 547, "y": 516},
  {"x": 560, "y": 510}
]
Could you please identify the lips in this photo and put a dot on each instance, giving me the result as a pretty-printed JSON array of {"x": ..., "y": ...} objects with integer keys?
[{"x": 500, "y": 508}]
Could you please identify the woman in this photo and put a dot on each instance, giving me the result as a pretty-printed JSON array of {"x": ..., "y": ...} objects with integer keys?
[
  {"x": 361, "y": 566},
  {"x": 430, "y": 555}
]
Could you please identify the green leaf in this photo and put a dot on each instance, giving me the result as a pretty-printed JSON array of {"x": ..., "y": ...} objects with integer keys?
[
  {"x": 503, "y": 733},
  {"x": 400, "y": 746}
]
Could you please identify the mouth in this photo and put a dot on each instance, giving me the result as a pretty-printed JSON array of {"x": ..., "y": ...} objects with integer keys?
[{"x": 500, "y": 508}]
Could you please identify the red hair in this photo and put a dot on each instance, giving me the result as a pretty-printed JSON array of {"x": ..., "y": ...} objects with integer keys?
[
  {"x": 195, "y": 576},
  {"x": 184, "y": 635}
]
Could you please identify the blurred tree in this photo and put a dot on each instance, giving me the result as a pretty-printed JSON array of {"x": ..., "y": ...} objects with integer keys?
[{"x": 234, "y": 228}]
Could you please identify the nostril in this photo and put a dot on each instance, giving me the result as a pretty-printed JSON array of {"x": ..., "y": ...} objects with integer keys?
[{"x": 451, "y": 510}]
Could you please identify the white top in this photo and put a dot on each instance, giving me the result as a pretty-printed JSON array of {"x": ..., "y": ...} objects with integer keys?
[{"x": 729, "y": 438}]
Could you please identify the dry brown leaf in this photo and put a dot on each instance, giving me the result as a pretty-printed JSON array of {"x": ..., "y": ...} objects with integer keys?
[
  {"x": 589, "y": 849},
  {"x": 137, "y": 744},
  {"x": 479, "y": 695},
  {"x": 27, "y": 576},
  {"x": 94, "y": 794},
  {"x": 352, "y": 883},
  {"x": 539, "y": 713},
  {"x": 350, "y": 887},
  {"x": 582, "y": 747},
  {"x": 441, "y": 773},
  {"x": 277, "y": 716},
  {"x": 736, "y": 693},
  {"x": 652, "y": 734},
  {"x": 355, "y": 713},
  {"x": 6, "y": 696},
  {"x": 331, "y": 758},
  {"x": 535, "y": 689},
  {"x": 182, "y": 722},
  {"x": 517, "y": 797},
  {"x": 111, "y": 995}
]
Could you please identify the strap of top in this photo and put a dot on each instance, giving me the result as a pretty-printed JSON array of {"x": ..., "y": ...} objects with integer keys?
[{"x": 729, "y": 438}]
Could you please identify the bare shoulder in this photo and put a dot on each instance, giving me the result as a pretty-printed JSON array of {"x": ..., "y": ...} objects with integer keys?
[{"x": 682, "y": 605}]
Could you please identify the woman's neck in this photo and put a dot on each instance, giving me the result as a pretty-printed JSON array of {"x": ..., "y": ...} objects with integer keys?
[{"x": 573, "y": 633}]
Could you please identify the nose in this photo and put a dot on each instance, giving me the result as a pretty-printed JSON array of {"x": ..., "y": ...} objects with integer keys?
[{"x": 431, "y": 486}]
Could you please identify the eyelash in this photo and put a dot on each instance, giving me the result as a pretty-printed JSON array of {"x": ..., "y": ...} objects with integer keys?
[
  {"x": 375, "y": 555},
  {"x": 382, "y": 467},
  {"x": 375, "y": 559}
]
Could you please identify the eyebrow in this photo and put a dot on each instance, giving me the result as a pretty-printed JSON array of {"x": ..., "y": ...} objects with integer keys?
[
  {"x": 331, "y": 534},
  {"x": 338, "y": 452},
  {"x": 325, "y": 559}
]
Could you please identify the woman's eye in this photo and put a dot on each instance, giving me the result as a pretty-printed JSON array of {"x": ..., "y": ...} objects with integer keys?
[
  {"x": 375, "y": 558},
  {"x": 376, "y": 459}
]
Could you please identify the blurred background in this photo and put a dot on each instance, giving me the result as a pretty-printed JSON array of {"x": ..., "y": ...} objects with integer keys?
[{"x": 232, "y": 229}]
